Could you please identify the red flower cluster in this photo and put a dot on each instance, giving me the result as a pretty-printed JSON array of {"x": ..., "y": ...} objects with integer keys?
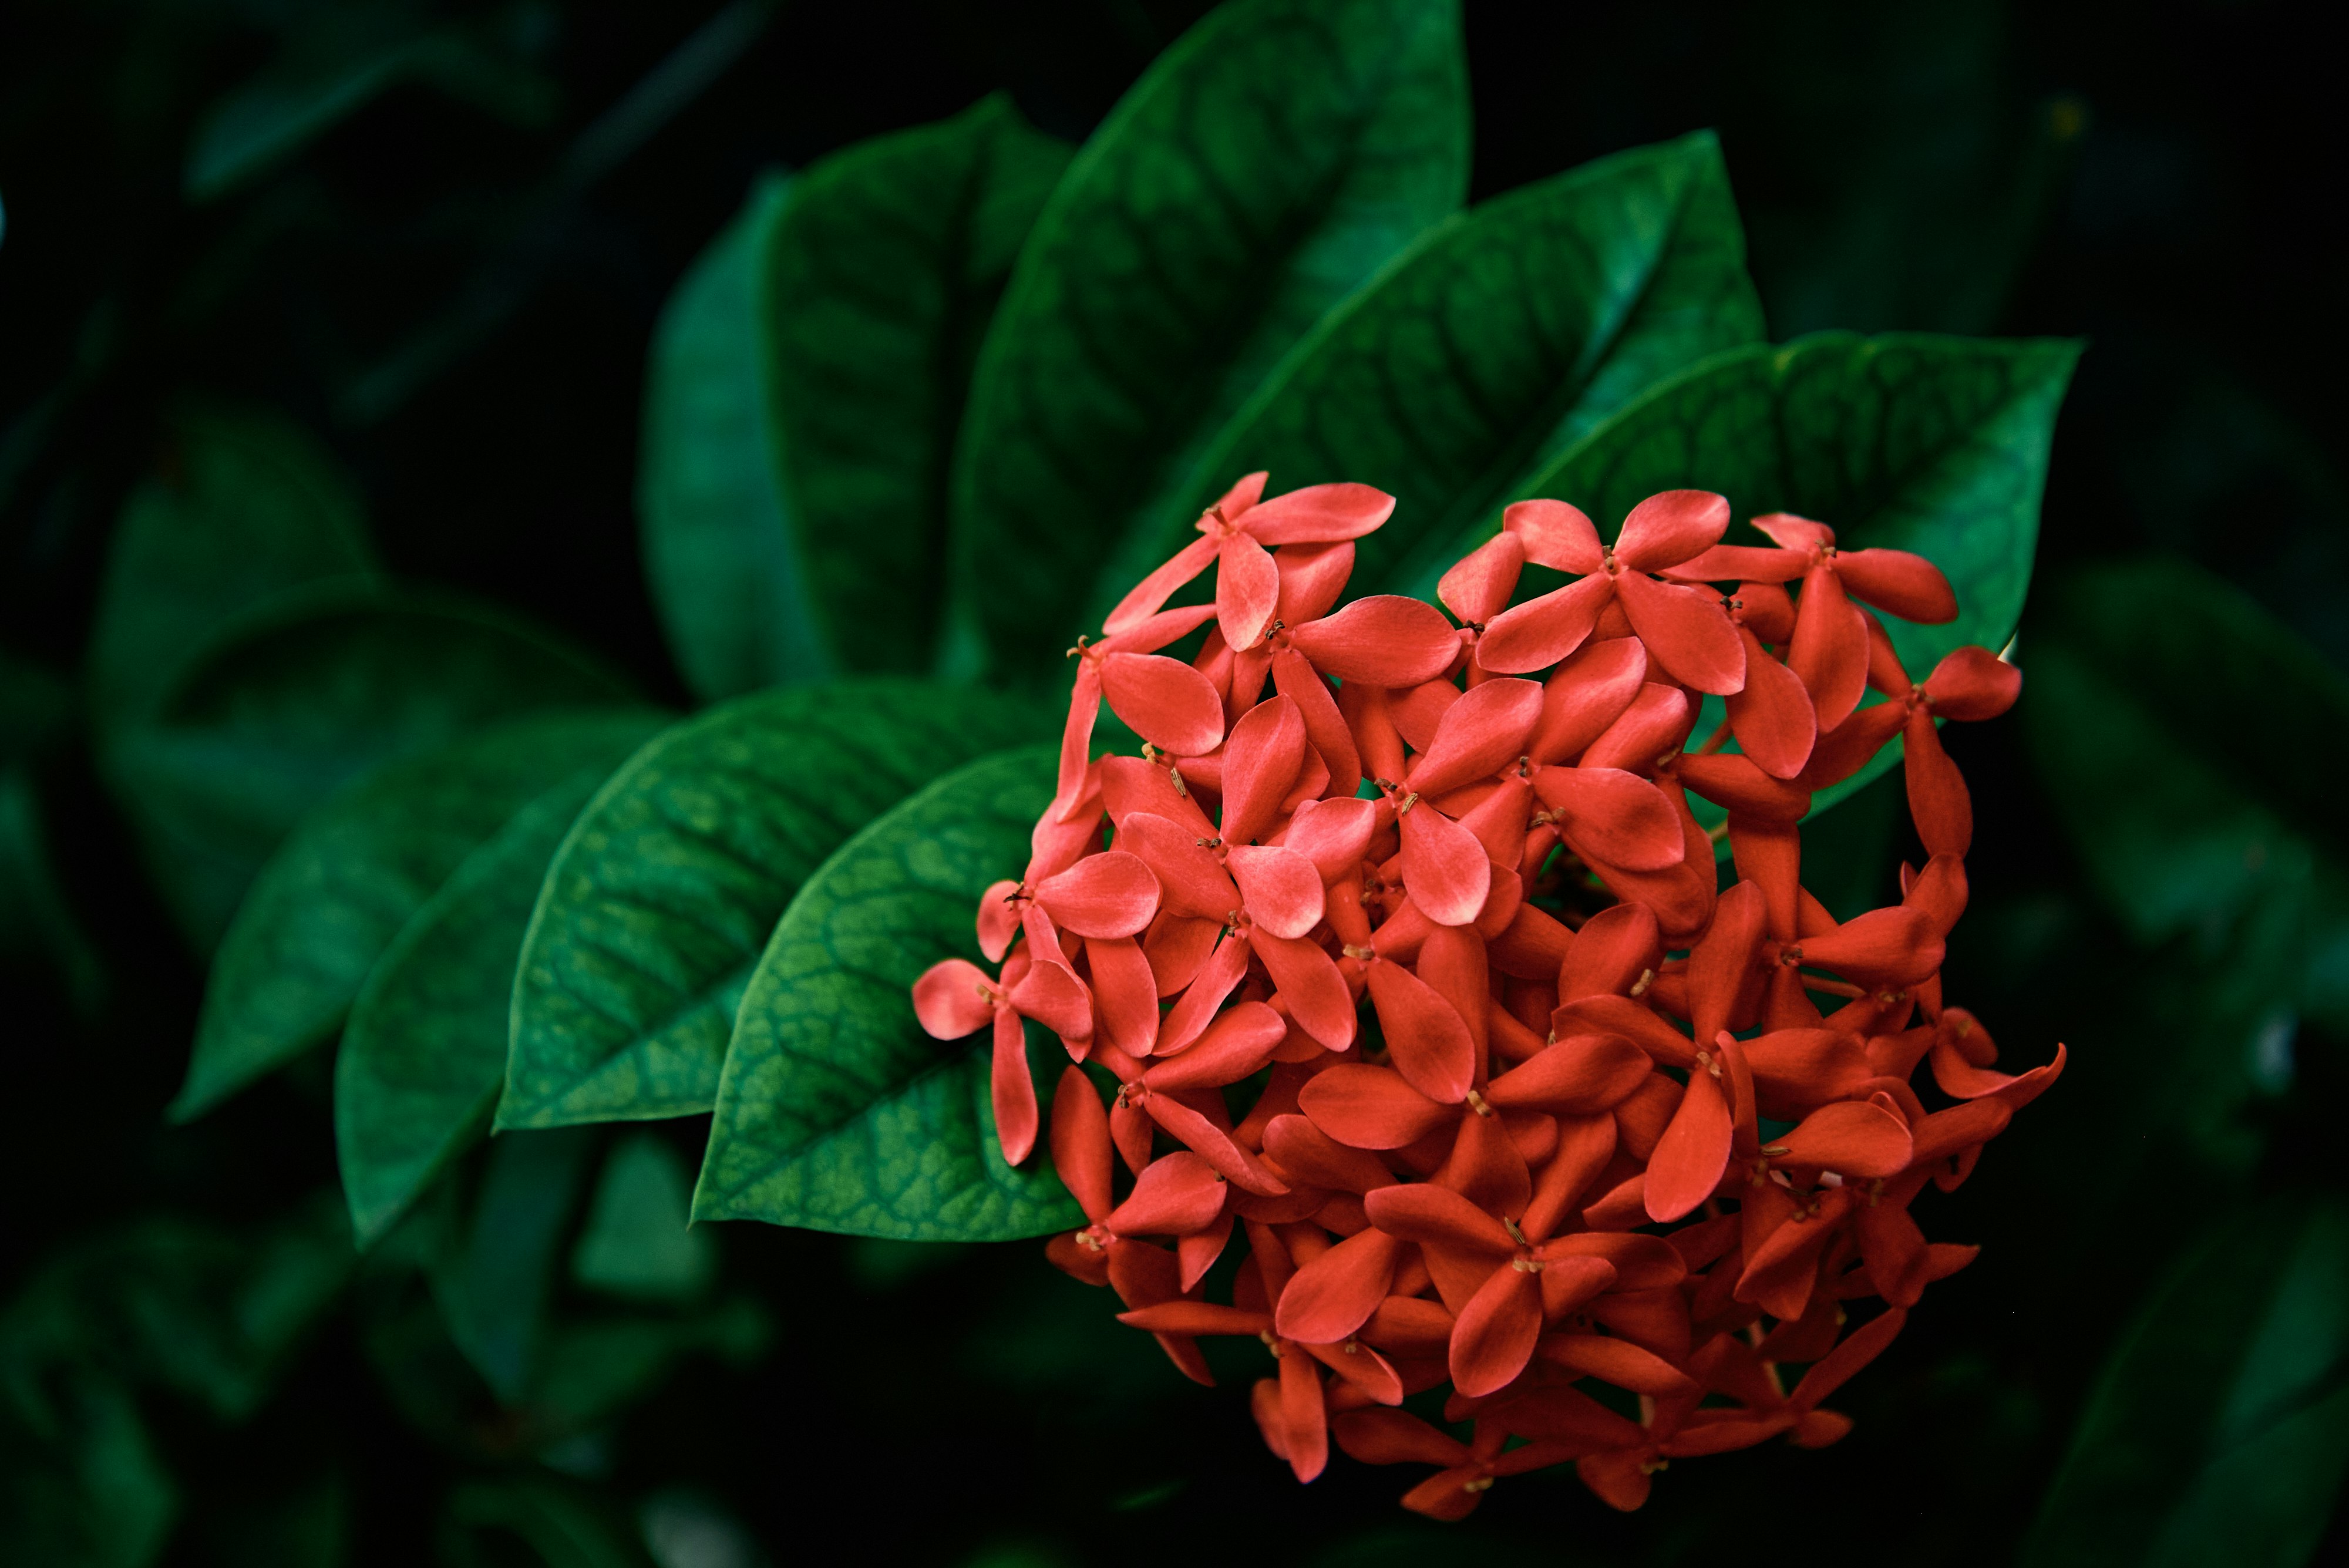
[{"x": 1594, "y": 1156}]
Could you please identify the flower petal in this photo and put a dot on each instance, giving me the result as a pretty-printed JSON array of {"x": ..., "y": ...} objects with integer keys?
[
  {"x": 1080, "y": 1148},
  {"x": 1311, "y": 986},
  {"x": 1617, "y": 1361},
  {"x": 1369, "y": 1107},
  {"x": 1541, "y": 631},
  {"x": 1384, "y": 639},
  {"x": 1146, "y": 596},
  {"x": 1130, "y": 785},
  {"x": 1260, "y": 762},
  {"x": 1907, "y": 585},
  {"x": 1478, "y": 735},
  {"x": 1319, "y": 514},
  {"x": 1620, "y": 818},
  {"x": 1334, "y": 835},
  {"x": 1738, "y": 563},
  {"x": 1394, "y": 1438},
  {"x": 1011, "y": 1093},
  {"x": 1190, "y": 880},
  {"x": 1575, "y": 1077},
  {"x": 1163, "y": 701},
  {"x": 1888, "y": 947},
  {"x": 1688, "y": 1161},
  {"x": 1280, "y": 888},
  {"x": 951, "y": 999},
  {"x": 1427, "y": 1041},
  {"x": 1174, "y": 1195},
  {"x": 1667, "y": 529},
  {"x": 1585, "y": 695},
  {"x": 1686, "y": 630},
  {"x": 1311, "y": 578},
  {"x": 1494, "y": 1337},
  {"x": 1330, "y": 1297},
  {"x": 1830, "y": 651},
  {"x": 1556, "y": 536},
  {"x": 1479, "y": 585},
  {"x": 1325, "y": 725},
  {"x": 1247, "y": 588},
  {"x": 1189, "y": 1017},
  {"x": 1304, "y": 1417},
  {"x": 1444, "y": 869},
  {"x": 1434, "y": 1216},
  {"x": 1972, "y": 684},
  {"x": 1614, "y": 947},
  {"x": 1125, "y": 993},
  {"x": 1239, "y": 1042},
  {"x": 1855, "y": 1137},
  {"x": 1771, "y": 717},
  {"x": 1113, "y": 894},
  {"x": 1938, "y": 799},
  {"x": 1652, "y": 728},
  {"x": 1210, "y": 1142}
]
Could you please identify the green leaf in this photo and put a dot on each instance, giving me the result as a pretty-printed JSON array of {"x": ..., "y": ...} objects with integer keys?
[
  {"x": 638, "y": 1243},
  {"x": 836, "y": 1111},
  {"x": 424, "y": 1053},
  {"x": 2147, "y": 684},
  {"x": 326, "y": 907},
  {"x": 2219, "y": 1432},
  {"x": 1491, "y": 345},
  {"x": 718, "y": 550},
  {"x": 1263, "y": 167},
  {"x": 301, "y": 697},
  {"x": 91, "y": 1492},
  {"x": 663, "y": 895},
  {"x": 247, "y": 507},
  {"x": 534, "y": 1519},
  {"x": 881, "y": 279},
  {"x": 1917, "y": 442},
  {"x": 593, "y": 1369},
  {"x": 492, "y": 1283}
]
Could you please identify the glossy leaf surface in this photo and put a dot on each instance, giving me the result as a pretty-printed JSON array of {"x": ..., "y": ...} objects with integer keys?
[
  {"x": 2219, "y": 1432},
  {"x": 1498, "y": 340},
  {"x": 837, "y": 1112},
  {"x": 663, "y": 895},
  {"x": 1264, "y": 166},
  {"x": 330, "y": 902},
  {"x": 424, "y": 1054}
]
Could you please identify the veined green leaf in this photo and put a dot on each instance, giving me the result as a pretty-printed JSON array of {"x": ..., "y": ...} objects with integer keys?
[
  {"x": 304, "y": 696},
  {"x": 1503, "y": 336},
  {"x": 1917, "y": 442},
  {"x": 1263, "y": 167},
  {"x": 247, "y": 508},
  {"x": 836, "y": 1111},
  {"x": 663, "y": 894},
  {"x": 879, "y": 277},
  {"x": 424, "y": 1053},
  {"x": 717, "y": 546},
  {"x": 2219, "y": 1433},
  {"x": 330, "y": 902}
]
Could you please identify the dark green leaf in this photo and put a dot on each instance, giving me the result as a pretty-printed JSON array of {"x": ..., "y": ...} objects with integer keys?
[
  {"x": 2219, "y": 1432},
  {"x": 424, "y": 1053},
  {"x": 883, "y": 273},
  {"x": 718, "y": 550},
  {"x": 593, "y": 1369},
  {"x": 303, "y": 698},
  {"x": 665, "y": 891},
  {"x": 247, "y": 508},
  {"x": 325, "y": 908},
  {"x": 1937, "y": 445},
  {"x": 836, "y": 1111},
  {"x": 81, "y": 1482},
  {"x": 638, "y": 1243},
  {"x": 1265, "y": 164},
  {"x": 1496, "y": 341},
  {"x": 534, "y": 1519},
  {"x": 2149, "y": 683},
  {"x": 493, "y": 1282}
]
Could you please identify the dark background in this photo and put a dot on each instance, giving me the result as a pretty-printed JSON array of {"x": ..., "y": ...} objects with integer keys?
[{"x": 457, "y": 298}]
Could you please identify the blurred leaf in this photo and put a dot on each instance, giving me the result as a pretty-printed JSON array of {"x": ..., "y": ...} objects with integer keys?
[
  {"x": 1499, "y": 338},
  {"x": 717, "y": 547},
  {"x": 303, "y": 696},
  {"x": 663, "y": 895},
  {"x": 424, "y": 1053},
  {"x": 883, "y": 273},
  {"x": 248, "y": 507},
  {"x": 592, "y": 1370},
  {"x": 1266, "y": 163},
  {"x": 2152, "y": 686},
  {"x": 211, "y": 1314},
  {"x": 492, "y": 1525},
  {"x": 836, "y": 1111},
  {"x": 340, "y": 58},
  {"x": 492, "y": 1283},
  {"x": 638, "y": 1243},
  {"x": 329, "y": 903},
  {"x": 81, "y": 1483},
  {"x": 35, "y": 918},
  {"x": 2219, "y": 1432},
  {"x": 1937, "y": 445}
]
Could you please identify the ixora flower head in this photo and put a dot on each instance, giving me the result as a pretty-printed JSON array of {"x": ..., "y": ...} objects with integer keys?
[{"x": 1503, "y": 1089}]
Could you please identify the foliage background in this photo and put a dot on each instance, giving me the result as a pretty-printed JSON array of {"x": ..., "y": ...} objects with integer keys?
[{"x": 453, "y": 285}]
